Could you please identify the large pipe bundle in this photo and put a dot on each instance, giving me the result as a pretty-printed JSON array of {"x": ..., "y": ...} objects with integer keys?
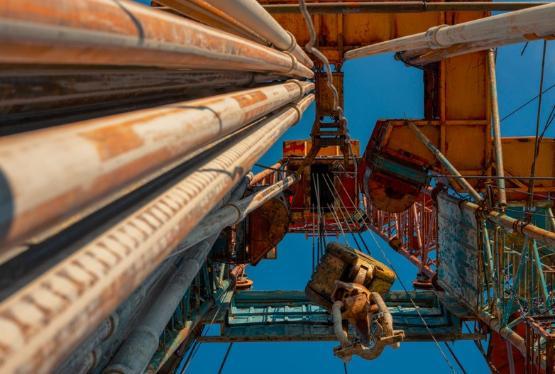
[
  {"x": 131, "y": 125},
  {"x": 255, "y": 17},
  {"x": 242, "y": 17},
  {"x": 121, "y": 148},
  {"x": 104, "y": 32},
  {"x": 485, "y": 33},
  {"x": 64, "y": 304},
  {"x": 97, "y": 158},
  {"x": 39, "y": 93}
]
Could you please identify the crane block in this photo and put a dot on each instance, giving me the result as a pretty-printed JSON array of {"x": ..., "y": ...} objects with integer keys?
[{"x": 351, "y": 285}]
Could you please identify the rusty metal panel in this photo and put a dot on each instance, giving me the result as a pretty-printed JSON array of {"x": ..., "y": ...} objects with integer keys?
[
  {"x": 266, "y": 228},
  {"x": 466, "y": 87},
  {"x": 518, "y": 154},
  {"x": 465, "y": 147},
  {"x": 457, "y": 254}
]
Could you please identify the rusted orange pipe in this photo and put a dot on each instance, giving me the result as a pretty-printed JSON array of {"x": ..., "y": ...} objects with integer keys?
[
  {"x": 203, "y": 12},
  {"x": 123, "y": 32},
  {"x": 44, "y": 91},
  {"x": 251, "y": 14},
  {"x": 513, "y": 225},
  {"x": 264, "y": 173},
  {"x": 44, "y": 320},
  {"x": 51, "y": 175}
]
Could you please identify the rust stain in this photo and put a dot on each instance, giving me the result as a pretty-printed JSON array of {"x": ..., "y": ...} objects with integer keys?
[
  {"x": 71, "y": 201},
  {"x": 114, "y": 140},
  {"x": 250, "y": 98},
  {"x": 119, "y": 138}
]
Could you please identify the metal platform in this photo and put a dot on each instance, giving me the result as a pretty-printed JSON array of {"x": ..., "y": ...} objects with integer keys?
[{"x": 259, "y": 316}]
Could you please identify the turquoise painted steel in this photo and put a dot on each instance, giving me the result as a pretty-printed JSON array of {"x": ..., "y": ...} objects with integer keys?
[{"x": 289, "y": 316}]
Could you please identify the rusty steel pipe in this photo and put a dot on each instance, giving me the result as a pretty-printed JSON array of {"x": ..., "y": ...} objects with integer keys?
[
  {"x": 203, "y": 12},
  {"x": 105, "y": 32},
  {"x": 124, "y": 318},
  {"x": 513, "y": 225},
  {"x": 521, "y": 25},
  {"x": 399, "y": 7},
  {"x": 253, "y": 15},
  {"x": 496, "y": 125},
  {"x": 41, "y": 322},
  {"x": 444, "y": 161},
  {"x": 265, "y": 173},
  {"x": 138, "y": 348},
  {"x": 96, "y": 158},
  {"x": 48, "y": 88},
  {"x": 235, "y": 212}
]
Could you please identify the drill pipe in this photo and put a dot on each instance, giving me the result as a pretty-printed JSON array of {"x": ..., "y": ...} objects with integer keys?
[
  {"x": 235, "y": 212},
  {"x": 521, "y": 25},
  {"x": 100, "y": 345},
  {"x": 107, "y": 32},
  {"x": 93, "y": 159},
  {"x": 42, "y": 321},
  {"x": 135, "y": 353},
  {"x": 44, "y": 90},
  {"x": 205, "y": 13},
  {"x": 255, "y": 17}
]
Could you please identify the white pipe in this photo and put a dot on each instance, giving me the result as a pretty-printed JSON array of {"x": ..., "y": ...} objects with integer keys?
[
  {"x": 254, "y": 16},
  {"x": 521, "y": 25}
]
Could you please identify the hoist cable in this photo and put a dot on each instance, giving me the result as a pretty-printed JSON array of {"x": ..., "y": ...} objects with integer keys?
[
  {"x": 196, "y": 343},
  {"x": 224, "y": 360},
  {"x": 455, "y": 357},
  {"x": 520, "y": 107},
  {"x": 341, "y": 204}
]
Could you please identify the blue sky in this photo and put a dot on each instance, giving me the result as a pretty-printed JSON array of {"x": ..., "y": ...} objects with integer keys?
[{"x": 377, "y": 88}]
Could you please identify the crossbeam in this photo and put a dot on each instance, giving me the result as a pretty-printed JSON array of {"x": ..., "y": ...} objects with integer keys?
[{"x": 264, "y": 316}]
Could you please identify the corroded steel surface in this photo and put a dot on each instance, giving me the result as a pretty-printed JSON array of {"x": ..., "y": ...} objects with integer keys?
[
  {"x": 266, "y": 227},
  {"x": 45, "y": 319},
  {"x": 96, "y": 158},
  {"x": 518, "y": 155},
  {"x": 333, "y": 7},
  {"x": 458, "y": 255},
  {"x": 127, "y": 33},
  {"x": 202, "y": 11},
  {"x": 254, "y": 17}
]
